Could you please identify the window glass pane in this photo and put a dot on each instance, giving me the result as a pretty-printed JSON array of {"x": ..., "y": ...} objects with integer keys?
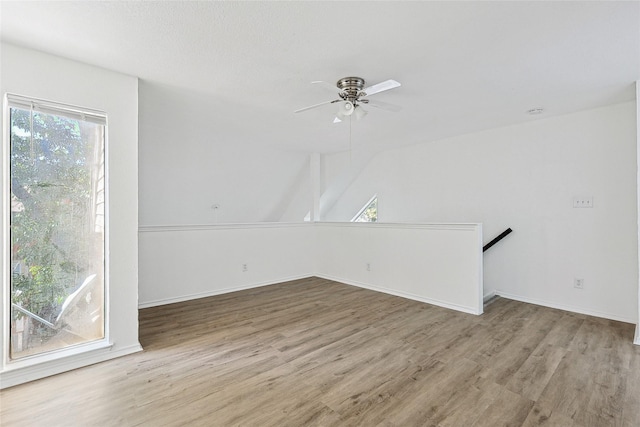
[
  {"x": 369, "y": 213},
  {"x": 57, "y": 231}
]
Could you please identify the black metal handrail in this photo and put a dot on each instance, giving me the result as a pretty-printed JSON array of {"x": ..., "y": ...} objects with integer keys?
[{"x": 497, "y": 239}]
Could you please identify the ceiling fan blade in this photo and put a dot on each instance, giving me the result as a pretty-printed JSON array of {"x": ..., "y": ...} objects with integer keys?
[
  {"x": 329, "y": 86},
  {"x": 384, "y": 105},
  {"x": 380, "y": 87},
  {"x": 317, "y": 105}
]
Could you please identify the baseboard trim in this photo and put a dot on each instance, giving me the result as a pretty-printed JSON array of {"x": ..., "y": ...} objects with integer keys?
[
  {"x": 401, "y": 294},
  {"x": 488, "y": 296},
  {"x": 13, "y": 377},
  {"x": 636, "y": 341},
  {"x": 189, "y": 297},
  {"x": 564, "y": 307}
]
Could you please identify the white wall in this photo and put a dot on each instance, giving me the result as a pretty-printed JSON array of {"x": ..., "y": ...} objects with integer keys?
[
  {"x": 440, "y": 264},
  {"x": 300, "y": 198},
  {"x": 182, "y": 263},
  {"x": 436, "y": 263},
  {"x": 525, "y": 177},
  {"x": 38, "y": 75},
  {"x": 187, "y": 165},
  {"x": 637, "y": 336}
]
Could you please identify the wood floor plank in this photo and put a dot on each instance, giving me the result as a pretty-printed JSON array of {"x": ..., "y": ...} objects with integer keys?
[
  {"x": 630, "y": 413},
  {"x": 313, "y": 352},
  {"x": 538, "y": 416},
  {"x": 534, "y": 374},
  {"x": 508, "y": 409}
]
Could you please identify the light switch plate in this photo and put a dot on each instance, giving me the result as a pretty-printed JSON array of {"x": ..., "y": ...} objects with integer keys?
[{"x": 583, "y": 202}]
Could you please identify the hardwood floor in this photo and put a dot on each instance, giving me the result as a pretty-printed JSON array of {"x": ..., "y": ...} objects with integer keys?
[{"x": 316, "y": 352}]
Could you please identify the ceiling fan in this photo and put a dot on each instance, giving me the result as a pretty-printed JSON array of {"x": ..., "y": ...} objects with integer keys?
[{"x": 353, "y": 95}]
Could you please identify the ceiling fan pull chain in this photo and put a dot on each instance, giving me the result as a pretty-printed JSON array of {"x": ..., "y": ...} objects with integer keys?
[{"x": 350, "y": 144}]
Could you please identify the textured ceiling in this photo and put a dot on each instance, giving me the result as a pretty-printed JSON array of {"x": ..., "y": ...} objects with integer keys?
[{"x": 244, "y": 67}]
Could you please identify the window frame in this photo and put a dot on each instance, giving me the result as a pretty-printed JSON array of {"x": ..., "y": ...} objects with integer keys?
[{"x": 11, "y": 100}]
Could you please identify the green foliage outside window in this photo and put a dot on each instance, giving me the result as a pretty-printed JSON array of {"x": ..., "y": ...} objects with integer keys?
[{"x": 51, "y": 195}]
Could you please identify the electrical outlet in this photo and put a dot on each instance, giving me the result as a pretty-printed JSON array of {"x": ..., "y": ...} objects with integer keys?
[
  {"x": 245, "y": 268},
  {"x": 368, "y": 266},
  {"x": 578, "y": 283}
]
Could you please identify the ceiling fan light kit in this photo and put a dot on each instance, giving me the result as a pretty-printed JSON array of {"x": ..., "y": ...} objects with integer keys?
[
  {"x": 346, "y": 108},
  {"x": 353, "y": 95},
  {"x": 359, "y": 113}
]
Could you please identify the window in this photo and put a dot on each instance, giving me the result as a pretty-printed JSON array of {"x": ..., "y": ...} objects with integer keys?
[
  {"x": 56, "y": 225},
  {"x": 369, "y": 213}
]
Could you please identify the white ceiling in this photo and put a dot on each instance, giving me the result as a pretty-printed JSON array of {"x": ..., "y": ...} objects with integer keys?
[{"x": 245, "y": 67}]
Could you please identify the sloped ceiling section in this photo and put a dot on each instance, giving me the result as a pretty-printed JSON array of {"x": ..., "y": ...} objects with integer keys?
[
  {"x": 189, "y": 173},
  {"x": 464, "y": 66}
]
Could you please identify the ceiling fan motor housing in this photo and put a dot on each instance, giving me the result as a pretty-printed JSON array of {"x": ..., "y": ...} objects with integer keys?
[{"x": 350, "y": 88}]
